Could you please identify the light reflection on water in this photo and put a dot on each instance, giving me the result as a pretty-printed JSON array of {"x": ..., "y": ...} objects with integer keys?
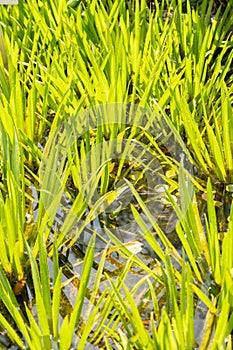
[{"x": 147, "y": 255}]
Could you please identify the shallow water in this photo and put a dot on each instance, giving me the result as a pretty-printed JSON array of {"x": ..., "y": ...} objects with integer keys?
[{"x": 128, "y": 231}]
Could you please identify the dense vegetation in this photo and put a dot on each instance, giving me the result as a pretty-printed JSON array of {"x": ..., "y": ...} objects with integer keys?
[{"x": 154, "y": 80}]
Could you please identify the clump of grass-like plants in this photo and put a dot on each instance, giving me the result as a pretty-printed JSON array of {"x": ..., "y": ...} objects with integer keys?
[{"x": 59, "y": 58}]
